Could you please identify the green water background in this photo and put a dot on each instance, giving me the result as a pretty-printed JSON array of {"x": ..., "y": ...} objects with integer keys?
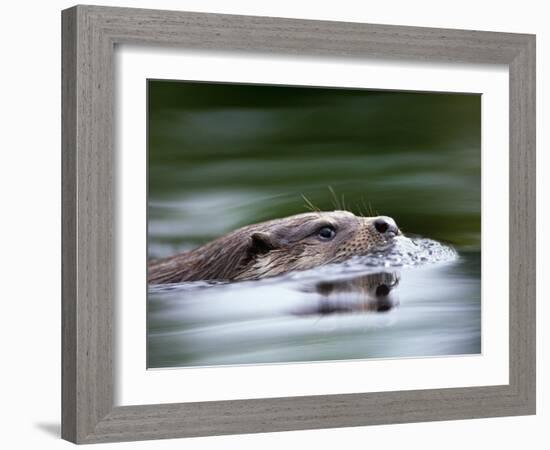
[{"x": 225, "y": 155}]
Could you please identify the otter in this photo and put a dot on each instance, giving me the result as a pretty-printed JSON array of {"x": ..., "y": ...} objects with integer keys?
[{"x": 275, "y": 247}]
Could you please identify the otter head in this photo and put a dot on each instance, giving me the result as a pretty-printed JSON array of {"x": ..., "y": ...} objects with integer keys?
[{"x": 309, "y": 240}]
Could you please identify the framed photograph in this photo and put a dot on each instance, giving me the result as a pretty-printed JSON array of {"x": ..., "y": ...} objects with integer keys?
[{"x": 277, "y": 224}]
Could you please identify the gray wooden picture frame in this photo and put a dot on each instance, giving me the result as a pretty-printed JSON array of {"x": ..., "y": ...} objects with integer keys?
[{"x": 89, "y": 36}]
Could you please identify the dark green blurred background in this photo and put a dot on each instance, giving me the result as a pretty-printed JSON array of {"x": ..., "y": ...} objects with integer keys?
[{"x": 225, "y": 155}]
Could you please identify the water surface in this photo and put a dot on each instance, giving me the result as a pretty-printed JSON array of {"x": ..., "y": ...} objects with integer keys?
[{"x": 392, "y": 304}]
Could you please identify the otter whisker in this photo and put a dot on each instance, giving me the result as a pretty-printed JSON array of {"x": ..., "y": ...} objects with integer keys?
[
  {"x": 373, "y": 212},
  {"x": 364, "y": 204},
  {"x": 335, "y": 199},
  {"x": 369, "y": 208},
  {"x": 309, "y": 204}
]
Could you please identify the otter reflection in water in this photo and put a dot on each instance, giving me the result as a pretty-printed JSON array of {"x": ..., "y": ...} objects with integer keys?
[
  {"x": 366, "y": 293},
  {"x": 279, "y": 246}
]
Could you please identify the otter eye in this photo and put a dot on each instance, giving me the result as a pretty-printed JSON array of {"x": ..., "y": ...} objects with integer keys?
[{"x": 326, "y": 233}]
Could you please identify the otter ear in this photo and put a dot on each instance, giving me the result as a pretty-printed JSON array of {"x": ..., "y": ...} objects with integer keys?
[{"x": 262, "y": 242}]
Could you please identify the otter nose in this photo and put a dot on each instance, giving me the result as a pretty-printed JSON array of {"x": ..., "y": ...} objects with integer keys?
[{"x": 386, "y": 225}]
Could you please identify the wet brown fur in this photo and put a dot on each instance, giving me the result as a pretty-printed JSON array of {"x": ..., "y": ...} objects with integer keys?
[{"x": 272, "y": 248}]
